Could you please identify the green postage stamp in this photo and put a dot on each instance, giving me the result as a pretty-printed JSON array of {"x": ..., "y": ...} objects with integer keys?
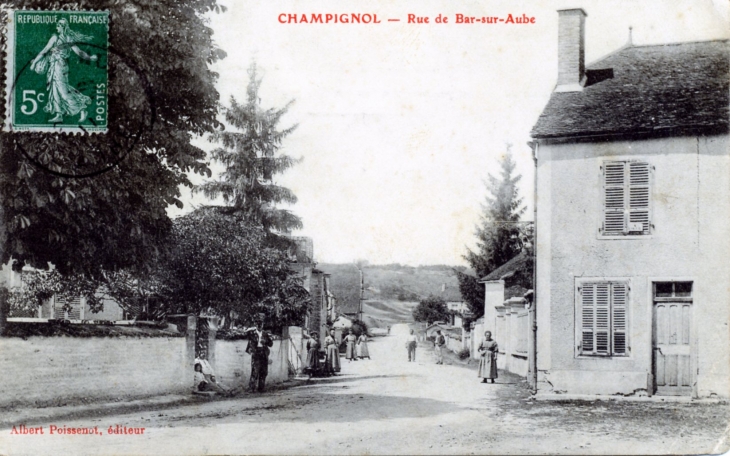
[{"x": 57, "y": 71}]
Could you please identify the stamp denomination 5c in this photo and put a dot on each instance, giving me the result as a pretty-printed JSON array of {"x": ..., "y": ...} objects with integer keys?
[{"x": 57, "y": 71}]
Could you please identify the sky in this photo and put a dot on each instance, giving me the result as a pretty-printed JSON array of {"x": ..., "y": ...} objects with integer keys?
[{"x": 400, "y": 124}]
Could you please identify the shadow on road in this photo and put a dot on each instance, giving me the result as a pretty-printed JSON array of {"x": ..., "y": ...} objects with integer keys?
[
  {"x": 362, "y": 407},
  {"x": 346, "y": 378}
]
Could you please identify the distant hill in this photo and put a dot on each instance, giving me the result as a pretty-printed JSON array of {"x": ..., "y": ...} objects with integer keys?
[
  {"x": 391, "y": 282},
  {"x": 381, "y": 314}
]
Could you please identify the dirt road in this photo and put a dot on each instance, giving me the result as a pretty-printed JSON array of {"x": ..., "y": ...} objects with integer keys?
[{"x": 388, "y": 405}]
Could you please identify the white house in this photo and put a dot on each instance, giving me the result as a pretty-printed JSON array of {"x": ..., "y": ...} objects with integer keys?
[{"x": 633, "y": 186}]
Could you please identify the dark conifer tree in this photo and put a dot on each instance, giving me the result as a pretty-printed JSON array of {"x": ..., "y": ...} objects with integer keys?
[
  {"x": 250, "y": 152},
  {"x": 498, "y": 234}
]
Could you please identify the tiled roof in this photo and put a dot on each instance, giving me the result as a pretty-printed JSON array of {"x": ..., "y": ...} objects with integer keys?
[
  {"x": 520, "y": 262},
  {"x": 645, "y": 90}
]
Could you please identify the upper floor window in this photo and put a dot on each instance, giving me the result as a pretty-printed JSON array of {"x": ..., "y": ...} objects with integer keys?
[{"x": 626, "y": 198}]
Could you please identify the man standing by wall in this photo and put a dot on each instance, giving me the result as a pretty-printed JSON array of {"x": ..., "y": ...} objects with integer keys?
[
  {"x": 438, "y": 344},
  {"x": 259, "y": 342}
]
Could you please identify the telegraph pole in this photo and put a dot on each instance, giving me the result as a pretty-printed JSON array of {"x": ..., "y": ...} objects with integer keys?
[{"x": 362, "y": 292}]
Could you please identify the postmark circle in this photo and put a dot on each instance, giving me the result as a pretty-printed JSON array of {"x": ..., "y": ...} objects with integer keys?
[{"x": 84, "y": 148}]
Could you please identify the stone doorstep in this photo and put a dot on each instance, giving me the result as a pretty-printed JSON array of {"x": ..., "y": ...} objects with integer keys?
[{"x": 621, "y": 398}]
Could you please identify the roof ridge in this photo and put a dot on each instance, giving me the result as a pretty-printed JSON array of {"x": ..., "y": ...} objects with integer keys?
[
  {"x": 678, "y": 43},
  {"x": 631, "y": 45}
]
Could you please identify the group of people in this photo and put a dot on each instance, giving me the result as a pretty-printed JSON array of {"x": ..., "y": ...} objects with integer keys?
[
  {"x": 488, "y": 350},
  {"x": 321, "y": 360},
  {"x": 259, "y": 344},
  {"x": 329, "y": 364},
  {"x": 315, "y": 365},
  {"x": 356, "y": 347},
  {"x": 326, "y": 360}
]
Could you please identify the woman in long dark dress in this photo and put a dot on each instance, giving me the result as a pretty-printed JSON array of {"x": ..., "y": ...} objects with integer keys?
[
  {"x": 332, "y": 364},
  {"x": 313, "y": 364},
  {"x": 350, "y": 352},
  {"x": 488, "y": 362}
]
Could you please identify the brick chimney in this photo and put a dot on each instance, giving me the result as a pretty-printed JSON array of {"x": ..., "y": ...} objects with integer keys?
[{"x": 571, "y": 50}]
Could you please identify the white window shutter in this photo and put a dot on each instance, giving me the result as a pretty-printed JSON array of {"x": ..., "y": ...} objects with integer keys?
[
  {"x": 639, "y": 194},
  {"x": 619, "y": 298},
  {"x": 588, "y": 312},
  {"x": 614, "y": 196},
  {"x": 603, "y": 318},
  {"x": 602, "y": 325}
]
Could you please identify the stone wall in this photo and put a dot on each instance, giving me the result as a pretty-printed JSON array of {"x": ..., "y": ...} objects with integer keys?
[
  {"x": 512, "y": 330},
  {"x": 233, "y": 365},
  {"x": 45, "y": 370},
  {"x": 40, "y": 371}
]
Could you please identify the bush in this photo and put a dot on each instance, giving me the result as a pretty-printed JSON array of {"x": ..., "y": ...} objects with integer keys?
[
  {"x": 358, "y": 328},
  {"x": 408, "y": 296},
  {"x": 464, "y": 353}
]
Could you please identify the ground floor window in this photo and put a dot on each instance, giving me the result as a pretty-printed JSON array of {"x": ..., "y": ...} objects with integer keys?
[{"x": 602, "y": 317}]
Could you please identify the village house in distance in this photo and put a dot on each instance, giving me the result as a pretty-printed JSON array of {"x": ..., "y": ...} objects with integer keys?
[
  {"x": 322, "y": 311},
  {"x": 633, "y": 185}
]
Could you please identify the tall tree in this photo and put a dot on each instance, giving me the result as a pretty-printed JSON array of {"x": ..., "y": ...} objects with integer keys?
[
  {"x": 221, "y": 265},
  {"x": 251, "y": 154},
  {"x": 161, "y": 93},
  {"x": 498, "y": 234}
]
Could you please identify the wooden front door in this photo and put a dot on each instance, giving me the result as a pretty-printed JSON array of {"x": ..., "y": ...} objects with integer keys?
[{"x": 672, "y": 348}]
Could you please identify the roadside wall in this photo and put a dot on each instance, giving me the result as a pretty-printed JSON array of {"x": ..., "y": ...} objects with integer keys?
[
  {"x": 49, "y": 370},
  {"x": 232, "y": 364},
  {"x": 477, "y": 335},
  {"x": 297, "y": 348},
  {"x": 43, "y": 370},
  {"x": 493, "y": 297},
  {"x": 511, "y": 333}
]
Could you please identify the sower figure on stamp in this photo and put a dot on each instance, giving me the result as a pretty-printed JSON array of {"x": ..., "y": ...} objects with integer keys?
[
  {"x": 259, "y": 342},
  {"x": 63, "y": 99}
]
